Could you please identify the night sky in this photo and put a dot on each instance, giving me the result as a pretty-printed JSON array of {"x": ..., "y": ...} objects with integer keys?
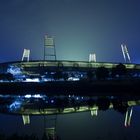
[{"x": 79, "y": 27}]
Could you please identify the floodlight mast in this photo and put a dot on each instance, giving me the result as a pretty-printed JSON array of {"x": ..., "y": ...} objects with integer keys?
[
  {"x": 125, "y": 52},
  {"x": 92, "y": 57},
  {"x": 26, "y": 55},
  {"x": 49, "y": 47}
]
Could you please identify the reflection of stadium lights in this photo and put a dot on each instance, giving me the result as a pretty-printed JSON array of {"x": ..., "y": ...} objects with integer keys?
[
  {"x": 29, "y": 104},
  {"x": 77, "y": 98},
  {"x": 73, "y": 79},
  {"x": 26, "y": 119},
  {"x": 27, "y": 96},
  {"x": 32, "y": 80},
  {"x": 37, "y": 96},
  {"x": 94, "y": 112},
  {"x": 128, "y": 118},
  {"x": 52, "y": 101},
  {"x": 34, "y": 96},
  {"x": 15, "y": 105}
]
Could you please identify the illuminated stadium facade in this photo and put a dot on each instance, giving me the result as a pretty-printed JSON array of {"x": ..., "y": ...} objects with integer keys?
[
  {"x": 64, "y": 77},
  {"x": 51, "y": 69},
  {"x": 74, "y": 70}
]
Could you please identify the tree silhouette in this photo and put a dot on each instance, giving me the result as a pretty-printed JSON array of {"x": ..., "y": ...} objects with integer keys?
[
  {"x": 102, "y": 73},
  {"x": 119, "y": 70},
  {"x": 120, "y": 106},
  {"x": 90, "y": 75},
  {"x": 90, "y": 102},
  {"x": 44, "y": 137},
  {"x": 103, "y": 103},
  {"x": 7, "y": 76},
  {"x": 58, "y": 75},
  {"x": 65, "y": 76}
]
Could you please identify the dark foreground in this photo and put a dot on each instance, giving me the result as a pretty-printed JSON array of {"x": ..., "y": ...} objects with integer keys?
[{"x": 87, "y": 88}]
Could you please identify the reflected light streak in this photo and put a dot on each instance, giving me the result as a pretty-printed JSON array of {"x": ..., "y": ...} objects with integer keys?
[
  {"x": 126, "y": 117},
  {"x": 32, "y": 80},
  {"x": 130, "y": 116},
  {"x": 15, "y": 105},
  {"x": 94, "y": 112}
]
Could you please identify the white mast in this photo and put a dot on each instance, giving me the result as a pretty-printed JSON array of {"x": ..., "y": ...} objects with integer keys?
[
  {"x": 125, "y": 54},
  {"x": 92, "y": 57},
  {"x": 26, "y": 54}
]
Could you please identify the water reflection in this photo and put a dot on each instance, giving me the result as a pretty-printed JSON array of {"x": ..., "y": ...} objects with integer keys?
[
  {"x": 53, "y": 109},
  {"x": 42, "y": 104},
  {"x": 107, "y": 125}
]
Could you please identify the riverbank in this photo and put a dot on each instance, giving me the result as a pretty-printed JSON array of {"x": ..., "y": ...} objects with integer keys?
[{"x": 87, "y": 88}]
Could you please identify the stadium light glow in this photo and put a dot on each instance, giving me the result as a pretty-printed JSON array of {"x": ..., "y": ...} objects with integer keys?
[
  {"x": 34, "y": 96},
  {"x": 14, "y": 70},
  {"x": 32, "y": 80},
  {"x": 37, "y": 96},
  {"x": 28, "y": 96},
  {"x": 73, "y": 79},
  {"x": 15, "y": 105}
]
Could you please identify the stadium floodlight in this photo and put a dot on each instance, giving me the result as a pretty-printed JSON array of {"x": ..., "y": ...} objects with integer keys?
[
  {"x": 49, "y": 48},
  {"x": 125, "y": 52},
  {"x": 92, "y": 57},
  {"x": 26, "y": 54}
]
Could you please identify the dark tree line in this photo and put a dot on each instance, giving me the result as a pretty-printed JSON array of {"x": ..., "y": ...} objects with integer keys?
[
  {"x": 103, "y": 73},
  {"x": 7, "y": 76},
  {"x": 103, "y": 103}
]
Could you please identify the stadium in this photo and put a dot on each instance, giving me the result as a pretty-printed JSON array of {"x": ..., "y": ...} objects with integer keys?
[{"x": 48, "y": 87}]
